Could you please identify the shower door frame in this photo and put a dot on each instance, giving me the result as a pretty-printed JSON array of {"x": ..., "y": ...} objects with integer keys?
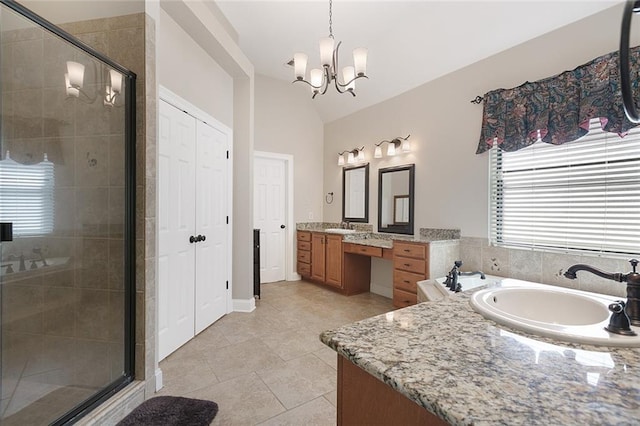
[{"x": 129, "y": 218}]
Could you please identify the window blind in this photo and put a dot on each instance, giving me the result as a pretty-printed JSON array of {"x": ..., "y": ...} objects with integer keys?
[
  {"x": 26, "y": 196},
  {"x": 583, "y": 195}
]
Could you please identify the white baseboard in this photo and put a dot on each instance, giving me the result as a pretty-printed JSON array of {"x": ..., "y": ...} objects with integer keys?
[
  {"x": 244, "y": 305},
  {"x": 382, "y": 290},
  {"x": 294, "y": 276},
  {"x": 159, "y": 384}
]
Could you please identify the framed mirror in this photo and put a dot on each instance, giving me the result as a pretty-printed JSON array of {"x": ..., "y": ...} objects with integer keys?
[
  {"x": 355, "y": 194},
  {"x": 396, "y": 199}
]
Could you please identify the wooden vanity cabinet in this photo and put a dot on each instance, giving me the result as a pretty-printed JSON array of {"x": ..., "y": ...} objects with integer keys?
[
  {"x": 304, "y": 253},
  {"x": 410, "y": 265},
  {"x": 326, "y": 259}
]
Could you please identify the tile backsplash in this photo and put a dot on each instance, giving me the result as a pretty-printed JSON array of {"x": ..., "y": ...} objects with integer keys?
[{"x": 541, "y": 267}]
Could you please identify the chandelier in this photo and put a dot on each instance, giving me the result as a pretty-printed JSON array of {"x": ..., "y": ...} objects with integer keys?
[{"x": 322, "y": 78}]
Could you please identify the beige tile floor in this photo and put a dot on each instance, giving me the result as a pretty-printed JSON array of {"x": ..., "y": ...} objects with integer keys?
[{"x": 268, "y": 367}]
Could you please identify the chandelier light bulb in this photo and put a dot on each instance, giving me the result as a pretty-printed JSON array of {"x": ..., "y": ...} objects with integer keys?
[
  {"x": 300, "y": 65},
  {"x": 360, "y": 61},
  {"x": 348, "y": 74},
  {"x": 326, "y": 51},
  {"x": 316, "y": 78}
]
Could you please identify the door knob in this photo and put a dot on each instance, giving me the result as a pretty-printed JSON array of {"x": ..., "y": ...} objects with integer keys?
[
  {"x": 193, "y": 239},
  {"x": 202, "y": 237},
  {"x": 282, "y": 226}
]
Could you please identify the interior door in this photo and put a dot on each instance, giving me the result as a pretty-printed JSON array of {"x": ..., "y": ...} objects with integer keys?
[
  {"x": 211, "y": 225},
  {"x": 176, "y": 223},
  {"x": 270, "y": 216}
]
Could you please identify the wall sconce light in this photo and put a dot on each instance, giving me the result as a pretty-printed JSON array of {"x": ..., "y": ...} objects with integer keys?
[
  {"x": 394, "y": 146},
  {"x": 355, "y": 155},
  {"x": 74, "y": 78},
  {"x": 113, "y": 90}
]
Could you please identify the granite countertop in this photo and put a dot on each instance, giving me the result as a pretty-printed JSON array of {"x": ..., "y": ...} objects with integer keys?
[
  {"x": 364, "y": 234},
  {"x": 466, "y": 370}
]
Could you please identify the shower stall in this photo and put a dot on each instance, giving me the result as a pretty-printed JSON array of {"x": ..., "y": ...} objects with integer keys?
[{"x": 67, "y": 201}]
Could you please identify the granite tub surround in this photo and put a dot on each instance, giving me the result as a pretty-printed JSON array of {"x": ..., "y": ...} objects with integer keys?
[{"x": 466, "y": 370}]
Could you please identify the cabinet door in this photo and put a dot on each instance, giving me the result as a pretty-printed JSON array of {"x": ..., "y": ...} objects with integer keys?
[
  {"x": 176, "y": 223},
  {"x": 317, "y": 256},
  {"x": 333, "y": 267}
]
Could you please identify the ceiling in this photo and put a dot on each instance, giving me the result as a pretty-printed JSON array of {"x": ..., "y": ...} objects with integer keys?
[{"x": 409, "y": 42}]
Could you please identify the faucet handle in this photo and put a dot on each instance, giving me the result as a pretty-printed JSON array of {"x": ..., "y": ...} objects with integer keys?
[
  {"x": 634, "y": 264},
  {"x": 458, "y": 263}
]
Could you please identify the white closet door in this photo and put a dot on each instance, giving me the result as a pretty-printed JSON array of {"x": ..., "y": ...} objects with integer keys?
[
  {"x": 211, "y": 222},
  {"x": 176, "y": 220}
]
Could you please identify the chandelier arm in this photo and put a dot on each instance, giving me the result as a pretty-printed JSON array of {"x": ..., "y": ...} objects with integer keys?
[{"x": 326, "y": 79}]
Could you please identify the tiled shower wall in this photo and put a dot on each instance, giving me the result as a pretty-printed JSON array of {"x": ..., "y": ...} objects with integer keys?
[{"x": 541, "y": 267}]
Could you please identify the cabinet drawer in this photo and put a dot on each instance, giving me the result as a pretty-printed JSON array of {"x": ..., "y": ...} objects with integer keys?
[
  {"x": 304, "y": 256},
  {"x": 403, "y": 298},
  {"x": 304, "y": 245},
  {"x": 304, "y": 236},
  {"x": 304, "y": 269},
  {"x": 406, "y": 281},
  {"x": 363, "y": 250},
  {"x": 411, "y": 265},
  {"x": 418, "y": 251}
]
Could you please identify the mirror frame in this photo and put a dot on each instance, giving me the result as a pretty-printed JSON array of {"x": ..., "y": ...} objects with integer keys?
[
  {"x": 364, "y": 219},
  {"x": 408, "y": 227}
]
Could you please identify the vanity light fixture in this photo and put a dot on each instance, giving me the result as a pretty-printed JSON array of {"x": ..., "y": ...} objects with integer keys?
[
  {"x": 321, "y": 78},
  {"x": 356, "y": 155},
  {"x": 394, "y": 146}
]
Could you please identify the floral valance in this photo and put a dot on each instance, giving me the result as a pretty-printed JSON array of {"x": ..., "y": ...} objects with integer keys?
[{"x": 558, "y": 109}]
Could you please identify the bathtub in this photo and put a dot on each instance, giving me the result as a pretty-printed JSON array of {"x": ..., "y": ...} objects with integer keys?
[{"x": 432, "y": 290}]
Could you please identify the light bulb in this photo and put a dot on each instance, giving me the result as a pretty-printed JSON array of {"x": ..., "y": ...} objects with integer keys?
[
  {"x": 348, "y": 74},
  {"x": 378, "y": 152},
  {"x": 406, "y": 145},
  {"x": 391, "y": 150},
  {"x": 326, "y": 51},
  {"x": 340, "y": 160},
  {"x": 360, "y": 60},
  {"x": 316, "y": 78},
  {"x": 300, "y": 65},
  {"x": 75, "y": 72}
]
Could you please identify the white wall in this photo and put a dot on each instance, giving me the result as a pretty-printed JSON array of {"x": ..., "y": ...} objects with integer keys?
[
  {"x": 188, "y": 71},
  {"x": 451, "y": 180},
  {"x": 287, "y": 123}
]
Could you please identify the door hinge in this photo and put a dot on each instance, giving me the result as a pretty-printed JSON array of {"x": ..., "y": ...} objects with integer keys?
[
  {"x": 227, "y": 220},
  {"x": 227, "y": 154},
  {"x": 227, "y": 285}
]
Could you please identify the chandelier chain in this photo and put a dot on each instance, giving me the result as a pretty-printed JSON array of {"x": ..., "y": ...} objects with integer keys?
[{"x": 330, "y": 19}]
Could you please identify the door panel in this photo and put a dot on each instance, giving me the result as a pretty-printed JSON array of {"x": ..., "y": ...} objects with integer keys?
[
  {"x": 211, "y": 222},
  {"x": 176, "y": 256},
  {"x": 270, "y": 216}
]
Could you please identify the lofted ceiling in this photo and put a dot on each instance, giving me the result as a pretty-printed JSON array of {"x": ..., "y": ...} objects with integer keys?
[{"x": 409, "y": 42}]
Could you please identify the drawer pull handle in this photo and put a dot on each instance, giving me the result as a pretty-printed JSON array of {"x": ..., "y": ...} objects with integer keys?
[
  {"x": 407, "y": 250},
  {"x": 407, "y": 264},
  {"x": 406, "y": 281}
]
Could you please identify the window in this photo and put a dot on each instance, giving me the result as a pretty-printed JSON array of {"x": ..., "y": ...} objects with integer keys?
[
  {"x": 583, "y": 195},
  {"x": 26, "y": 196}
]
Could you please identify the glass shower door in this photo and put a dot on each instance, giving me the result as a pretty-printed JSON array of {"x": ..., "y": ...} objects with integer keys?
[{"x": 63, "y": 185}]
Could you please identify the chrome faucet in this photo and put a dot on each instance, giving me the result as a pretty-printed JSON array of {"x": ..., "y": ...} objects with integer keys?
[
  {"x": 345, "y": 225},
  {"x": 632, "y": 279}
]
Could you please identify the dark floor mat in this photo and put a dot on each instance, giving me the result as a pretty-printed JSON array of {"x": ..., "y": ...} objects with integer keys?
[{"x": 172, "y": 410}]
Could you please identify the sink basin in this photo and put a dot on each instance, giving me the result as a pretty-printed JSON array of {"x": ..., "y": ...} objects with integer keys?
[
  {"x": 555, "y": 312},
  {"x": 340, "y": 231}
]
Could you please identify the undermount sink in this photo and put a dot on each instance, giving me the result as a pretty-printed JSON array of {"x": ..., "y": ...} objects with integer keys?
[
  {"x": 340, "y": 231},
  {"x": 555, "y": 312}
]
